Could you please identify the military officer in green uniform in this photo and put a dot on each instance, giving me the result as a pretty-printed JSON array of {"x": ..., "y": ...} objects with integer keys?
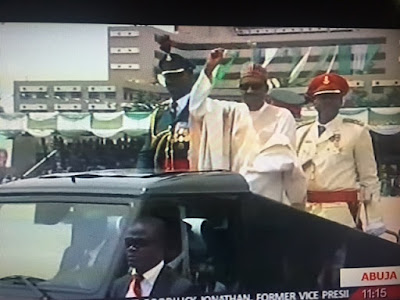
[{"x": 167, "y": 144}]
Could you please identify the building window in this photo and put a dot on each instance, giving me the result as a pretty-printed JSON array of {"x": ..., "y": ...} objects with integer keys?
[
  {"x": 61, "y": 95},
  {"x": 378, "y": 90},
  {"x": 94, "y": 95},
  {"x": 76, "y": 95},
  {"x": 123, "y": 33},
  {"x": 110, "y": 95},
  {"x": 34, "y": 95}
]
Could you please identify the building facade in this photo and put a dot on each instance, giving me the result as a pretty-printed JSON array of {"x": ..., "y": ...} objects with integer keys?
[
  {"x": 368, "y": 58},
  {"x": 42, "y": 96}
]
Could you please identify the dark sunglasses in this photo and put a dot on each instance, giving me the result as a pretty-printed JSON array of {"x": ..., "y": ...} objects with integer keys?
[
  {"x": 135, "y": 242},
  {"x": 253, "y": 86}
]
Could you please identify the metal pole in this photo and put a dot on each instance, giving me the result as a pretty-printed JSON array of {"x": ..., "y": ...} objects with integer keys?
[{"x": 52, "y": 153}]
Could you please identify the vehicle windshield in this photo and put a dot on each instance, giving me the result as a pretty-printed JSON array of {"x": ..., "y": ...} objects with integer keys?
[{"x": 62, "y": 245}]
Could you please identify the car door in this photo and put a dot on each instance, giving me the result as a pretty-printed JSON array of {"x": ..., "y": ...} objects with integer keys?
[
  {"x": 288, "y": 249},
  {"x": 245, "y": 243}
]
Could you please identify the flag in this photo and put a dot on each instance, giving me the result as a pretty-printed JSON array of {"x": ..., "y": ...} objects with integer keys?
[
  {"x": 257, "y": 56},
  {"x": 320, "y": 65},
  {"x": 372, "y": 50},
  {"x": 344, "y": 58},
  {"x": 333, "y": 60},
  {"x": 269, "y": 55},
  {"x": 359, "y": 53},
  {"x": 300, "y": 66},
  {"x": 224, "y": 69}
]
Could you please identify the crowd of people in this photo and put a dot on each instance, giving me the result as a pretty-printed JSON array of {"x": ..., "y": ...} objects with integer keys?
[
  {"x": 79, "y": 155},
  {"x": 94, "y": 154}
]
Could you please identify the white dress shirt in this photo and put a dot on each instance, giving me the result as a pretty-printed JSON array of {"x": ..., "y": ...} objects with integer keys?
[
  {"x": 147, "y": 283},
  {"x": 182, "y": 102}
]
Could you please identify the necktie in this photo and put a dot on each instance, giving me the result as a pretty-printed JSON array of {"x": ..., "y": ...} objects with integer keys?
[
  {"x": 321, "y": 130},
  {"x": 135, "y": 285}
]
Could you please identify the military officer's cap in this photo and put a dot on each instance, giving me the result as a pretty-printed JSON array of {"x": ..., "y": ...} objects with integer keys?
[
  {"x": 287, "y": 97},
  {"x": 328, "y": 84},
  {"x": 174, "y": 63}
]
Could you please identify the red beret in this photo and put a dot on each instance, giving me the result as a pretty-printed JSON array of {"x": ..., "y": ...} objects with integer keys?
[{"x": 328, "y": 84}]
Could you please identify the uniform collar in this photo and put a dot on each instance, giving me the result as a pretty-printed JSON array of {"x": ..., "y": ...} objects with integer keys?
[
  {"x": 331, "y": 128},
  {"x": 331, "y": 125},
  {"x": 182, "y": 102}
]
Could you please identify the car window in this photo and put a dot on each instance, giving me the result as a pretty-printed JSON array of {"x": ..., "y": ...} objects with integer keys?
[
  {"x": 65, "y": 245},
  {"x": 23, "y": 240}
]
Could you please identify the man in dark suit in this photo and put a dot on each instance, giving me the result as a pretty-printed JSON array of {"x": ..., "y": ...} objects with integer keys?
[
  {"x": 92, "y": 248},
  {"x": 145, "y": 249}
]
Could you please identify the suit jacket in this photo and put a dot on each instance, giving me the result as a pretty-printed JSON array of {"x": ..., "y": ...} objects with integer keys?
[
  {"x": 168, "y": 283},
  {"x": 85, "y": 275},
  {"x": 73, "y": 258}
]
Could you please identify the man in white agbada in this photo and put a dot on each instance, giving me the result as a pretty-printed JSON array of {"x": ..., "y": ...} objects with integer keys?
[
  {"x": 271, "y": 169},
  {"x": 267, "y": 119}
]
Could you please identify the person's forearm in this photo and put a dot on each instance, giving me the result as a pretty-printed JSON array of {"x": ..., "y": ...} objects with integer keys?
[
  {"x": 203, "y": 86},
  {"x": 198, "y": 95}
]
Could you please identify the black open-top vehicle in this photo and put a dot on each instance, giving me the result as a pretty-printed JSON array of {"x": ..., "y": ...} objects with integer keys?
[{"x": 225, "y": 235}]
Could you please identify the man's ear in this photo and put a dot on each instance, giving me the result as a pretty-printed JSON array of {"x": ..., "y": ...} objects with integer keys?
[
  {"x": 266, "y": 87},
  {"x": 189, "y": 74},
  {"x": 308, "y": 99},
  {"x": 343, "y": 101}
]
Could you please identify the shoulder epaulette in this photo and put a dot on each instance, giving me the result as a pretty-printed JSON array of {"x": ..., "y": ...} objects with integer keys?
[
  {"x": 156, "y": 115},
  {"x": 353, "y": 121},
  {"x": 304, "y": 123},
  {"x": 166, "y": 102},
  {"x": 162, "y": 107}
]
